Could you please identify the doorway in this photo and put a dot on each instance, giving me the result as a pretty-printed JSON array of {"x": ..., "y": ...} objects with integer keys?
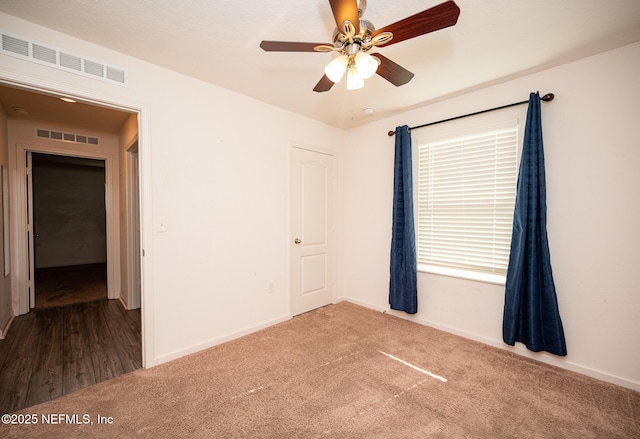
[
  {"x": 68, "y": 339},
  {"x": 116, "y": 122},
  {"x": 69, "y": 229}
]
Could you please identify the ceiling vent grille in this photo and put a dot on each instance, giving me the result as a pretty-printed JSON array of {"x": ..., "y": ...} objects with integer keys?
[
  {"x": 22, "y": 48},
  {"x": 67, "y": 137},
  {"x": 44, "y": 54}
]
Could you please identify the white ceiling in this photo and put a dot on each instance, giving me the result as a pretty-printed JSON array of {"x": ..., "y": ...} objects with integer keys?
[
  {"x": 218, "y": 41},
  {"x": 44, "y": 108}
]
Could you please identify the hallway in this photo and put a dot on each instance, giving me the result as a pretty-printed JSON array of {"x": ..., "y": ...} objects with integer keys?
[{"x": 52, "y": 352}]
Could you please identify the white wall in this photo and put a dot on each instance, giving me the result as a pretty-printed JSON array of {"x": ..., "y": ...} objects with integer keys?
[
  {"x": 127, "y": 137},
  {"x": 215, "y": 168},
  {"x": 6, "y": 311},
  {"x": 593, "y": 196}
]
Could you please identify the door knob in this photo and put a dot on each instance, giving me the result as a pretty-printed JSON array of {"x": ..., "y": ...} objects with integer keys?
[
  {"x": 36, "y": 235},
  {"x": 297, "y": 241}
]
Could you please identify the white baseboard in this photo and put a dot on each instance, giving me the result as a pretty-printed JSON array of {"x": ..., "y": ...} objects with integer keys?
[
  {"x": 518, "y": 349},
  {"x": 208, "y": 344},
  {"x": 4, "y": 330},
  {"x": 123, "y": 302}
]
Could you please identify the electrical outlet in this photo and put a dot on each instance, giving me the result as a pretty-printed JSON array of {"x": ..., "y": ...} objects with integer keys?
[{"x": 270, "y": 288}]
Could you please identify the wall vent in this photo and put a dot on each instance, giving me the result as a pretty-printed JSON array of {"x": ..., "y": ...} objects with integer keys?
[
  {"x": 67, "y": 137},
  {"x": 23, "y": 48}
]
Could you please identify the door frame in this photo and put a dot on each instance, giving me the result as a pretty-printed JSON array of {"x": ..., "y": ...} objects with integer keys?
[
  {"x": 132, "y": 203},
  {"x": 143, "y": 110},
  {"x": 333, "y": 222},
  {"x": 30, "y": 228},
  {"x": 21, "y": 244}
]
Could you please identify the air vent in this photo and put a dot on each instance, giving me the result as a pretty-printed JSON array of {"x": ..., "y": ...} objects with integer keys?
[
  {"x": 116, "y": 74},
  {"x": 44, "y": 54},
  {"x": 66, "y": 137},
  {"x": 15, "y": 45},
  {"x": 71, "y": 62},
  {"x": 22, "y": 48},
  {"x": 93, "y": 68}
]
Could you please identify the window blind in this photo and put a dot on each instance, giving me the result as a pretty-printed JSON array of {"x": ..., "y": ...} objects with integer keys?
[{"x": 466, "y": 198}]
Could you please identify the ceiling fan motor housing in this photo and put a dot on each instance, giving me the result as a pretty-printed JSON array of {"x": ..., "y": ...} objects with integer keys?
[
  {"x": 362, "y": 6},
  {"x": 366, "y": 30}
]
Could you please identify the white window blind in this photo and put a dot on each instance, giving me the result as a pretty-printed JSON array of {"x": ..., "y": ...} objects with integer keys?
[{"x": 466, "y": 197}]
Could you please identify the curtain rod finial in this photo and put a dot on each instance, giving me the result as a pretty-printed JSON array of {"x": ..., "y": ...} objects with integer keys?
[
  {"x": 548, "y": 97},
  {"x": 391, "y": 133}
]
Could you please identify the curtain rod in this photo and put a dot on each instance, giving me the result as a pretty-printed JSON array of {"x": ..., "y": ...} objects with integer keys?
[{"x": 548, "y": 97}]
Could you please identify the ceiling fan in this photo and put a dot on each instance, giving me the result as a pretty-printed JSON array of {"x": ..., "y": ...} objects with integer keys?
[{"x": 354, "y": 37}]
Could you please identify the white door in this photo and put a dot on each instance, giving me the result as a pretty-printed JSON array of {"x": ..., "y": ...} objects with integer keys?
[
  {"x": 312, "y": 230},
  {"x": 31, "y": 280},
  {"x": 133, "y": 229}
]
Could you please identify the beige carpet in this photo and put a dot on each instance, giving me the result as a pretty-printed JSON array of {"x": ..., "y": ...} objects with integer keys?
[{"x": 328, "y": 373}]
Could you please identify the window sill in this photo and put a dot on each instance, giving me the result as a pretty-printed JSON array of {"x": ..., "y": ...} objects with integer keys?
[{"x": 497, "y": 279}]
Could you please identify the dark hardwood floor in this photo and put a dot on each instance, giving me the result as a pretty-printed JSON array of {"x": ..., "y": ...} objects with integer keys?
[
  {"x": 60, "y": 286},
  {"x": 56, "y": 351}
]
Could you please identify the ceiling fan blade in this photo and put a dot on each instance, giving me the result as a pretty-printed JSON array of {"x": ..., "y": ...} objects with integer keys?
[
  {"x": 392, "y": 72},
  {"x": 287, "y": 46},
  {"x": 433, "y": 19},
  {"x": 345, "y": 10},
  {"x": 324, "y": 84}
]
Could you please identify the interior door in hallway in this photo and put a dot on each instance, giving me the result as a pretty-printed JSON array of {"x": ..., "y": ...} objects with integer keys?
[
  {"x": 312, "y": 230},
  {"x": 31, "y": 283}
]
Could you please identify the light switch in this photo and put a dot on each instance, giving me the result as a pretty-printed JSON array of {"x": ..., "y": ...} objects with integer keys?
[{"x": 161, "y": 224}]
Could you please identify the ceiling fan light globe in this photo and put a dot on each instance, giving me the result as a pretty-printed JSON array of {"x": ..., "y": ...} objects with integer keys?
[
  {"x": 336, "y": 68},
  {"x": 354, "y": 80},
  {"x": 366, "y": 65}
]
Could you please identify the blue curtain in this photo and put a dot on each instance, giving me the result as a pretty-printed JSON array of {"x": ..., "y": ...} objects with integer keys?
[
  {"x": 531, "y": 313},
  {"x": 403, "y": 290}
]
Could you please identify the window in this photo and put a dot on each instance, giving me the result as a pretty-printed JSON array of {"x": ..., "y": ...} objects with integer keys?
[{"x": 466, "y": 198}]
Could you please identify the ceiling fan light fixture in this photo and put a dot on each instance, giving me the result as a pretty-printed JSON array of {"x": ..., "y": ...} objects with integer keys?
[
  {"x": 354, "y": 34},
  {"x": 336, "y": 68},
  {"x": 366, "y": 65},
  {"x": 354, "y": 80}
]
